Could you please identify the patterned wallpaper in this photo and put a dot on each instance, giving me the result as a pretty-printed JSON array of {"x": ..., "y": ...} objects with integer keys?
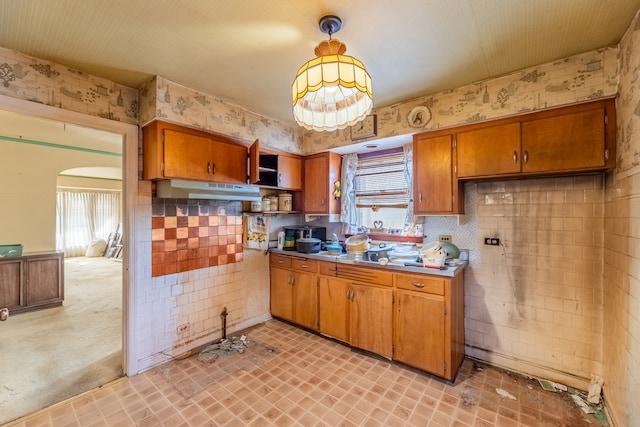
[
  {"x": 31, "y": 79},
  {"x": 578, "y": 78},
  {"x": 628, "y": 105},
  {"x": 165, "y": 100}
]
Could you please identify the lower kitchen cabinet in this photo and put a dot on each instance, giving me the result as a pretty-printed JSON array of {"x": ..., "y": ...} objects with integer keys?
[
  {"x": 429, "y": 323},
  {"x": 333, "y": 308},
  {"x": 370, "y": 319},
  {"x": 281, "y": 294},
  {"x": 294, "y": 291},
  {"x": 419, "y": 333},
  {"x": 416, "y": 319}
]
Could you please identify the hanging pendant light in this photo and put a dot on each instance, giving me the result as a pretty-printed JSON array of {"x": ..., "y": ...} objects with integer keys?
[{"x": 333, "y": 90}]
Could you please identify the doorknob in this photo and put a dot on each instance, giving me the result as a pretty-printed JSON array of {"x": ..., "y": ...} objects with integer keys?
[{"x": 4, "y": 314}]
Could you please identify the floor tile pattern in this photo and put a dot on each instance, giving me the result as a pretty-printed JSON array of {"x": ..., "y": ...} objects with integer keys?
[
  {"x": 191, "y": 234},
  {"x": 290, "y": 377}
]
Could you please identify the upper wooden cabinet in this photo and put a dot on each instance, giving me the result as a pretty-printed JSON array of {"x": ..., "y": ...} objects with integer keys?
[
  {"x": 436, "y": 189},
  {"x": 173, "y": 151},
  {"x": 575, "y": 139},
  {"x": 274, "y": 169},
  {"x": 321, "y": 172},
  {"x": 572, "y": 141},
  {"x": 489, "y": 151}
]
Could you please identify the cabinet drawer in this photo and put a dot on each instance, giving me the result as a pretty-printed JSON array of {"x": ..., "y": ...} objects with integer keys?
[
  {"x": 421, "y": 283},
  {"x": 280, "y": 261},
  {"x": 305, "y": 265},
  {"x": 358, "y": 274}
]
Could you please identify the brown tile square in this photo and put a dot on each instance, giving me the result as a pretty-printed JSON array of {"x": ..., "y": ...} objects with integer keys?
[
  {"x": 214, "y": 250},
  {"x": 157, "y": 258},
  {"x": 157, "y": 270},
  {"x": 203, "y": 231},
  {"x": 231, "y": 249},
  {"x": 183, "y": 266},
  {"x": 171, "y": 233},
  {"x": 157, "y": 222},
  {"x": 213, "y": 220},
  {"x": 239, "y": 256},
  {"x": 193, "y": 243},
  {"x": 213, "y": 261},
  {"x": 222, "y": 230},
  {"x": 182, "y": 244},
  {"x": 193, "y": 232},
  {"x": 203, "y": 242},
  {"x": 202, "y": 262},
  {"x": 171, "y": 267},
  {"x": 157, "y": 234},
  {"x": 203, "y": 221},
  {"x": 182, "y": 221},
  {"x": 157, "y": 247},
  {"x": 222, "y": 240},
  {"x": 222, "y": 259},
  {"x": 170, "y": 222},
  {"x": 222, "y": 220}
]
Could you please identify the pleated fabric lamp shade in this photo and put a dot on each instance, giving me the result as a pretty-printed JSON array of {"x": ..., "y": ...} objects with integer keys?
[{"x": 333, "y": 90}]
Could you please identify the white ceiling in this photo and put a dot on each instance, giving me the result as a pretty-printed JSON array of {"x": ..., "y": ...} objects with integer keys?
[{"x": 246, "y": 52}]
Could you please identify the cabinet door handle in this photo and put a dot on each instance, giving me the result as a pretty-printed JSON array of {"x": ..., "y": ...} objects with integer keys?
[
  {"x": 525, "y": 156},
  {"x": 208, "y": 167},
  {"x": 280, "y": 261},
  {"x": 214, "y": 168},
  {"x": 515, "y": 157},
  {"x": 322, "y": 200},
  {"x": 421, "y": 197},
  {"x": 280, "y": 177},
  {"x": 304, "y": 266},
  {"x": 606, "y": 154},
  {"x": 418, "y": 284}
]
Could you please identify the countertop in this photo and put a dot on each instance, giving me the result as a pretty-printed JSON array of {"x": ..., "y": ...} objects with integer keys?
[{"x": 450, "y": 271}]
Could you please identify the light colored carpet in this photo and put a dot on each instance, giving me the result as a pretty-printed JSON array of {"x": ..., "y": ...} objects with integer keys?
[{"x": 53, "y": 354}]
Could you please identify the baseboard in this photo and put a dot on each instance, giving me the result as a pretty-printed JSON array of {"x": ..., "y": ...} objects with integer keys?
[
  {"x": 188, "y": 348},
  {"x": 528, "y": 368}
]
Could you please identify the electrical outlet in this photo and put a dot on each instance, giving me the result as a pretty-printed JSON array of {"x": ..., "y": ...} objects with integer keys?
[
  {"x": 182, "y": 329},
  {"x": 492, "y": 241},
  {"x": 445, "y": 238}
]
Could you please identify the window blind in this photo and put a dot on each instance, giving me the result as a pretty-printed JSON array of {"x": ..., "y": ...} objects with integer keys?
[{"x": 380, "y": 181}]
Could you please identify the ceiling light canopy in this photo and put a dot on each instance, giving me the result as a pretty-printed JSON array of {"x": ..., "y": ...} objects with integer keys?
[{"x": 333, "y": 90}]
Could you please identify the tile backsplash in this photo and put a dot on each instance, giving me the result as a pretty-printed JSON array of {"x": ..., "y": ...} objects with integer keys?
[{"x": 191, "y": 234}]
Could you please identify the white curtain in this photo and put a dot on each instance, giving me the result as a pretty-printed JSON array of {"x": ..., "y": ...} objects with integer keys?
[
  {"x": 82, "y": 217},
  {"x": 348, "y": 214},
  {"x": 408, "y": 176}
]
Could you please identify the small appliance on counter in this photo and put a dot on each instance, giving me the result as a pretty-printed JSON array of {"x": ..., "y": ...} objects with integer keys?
[{"x": 292, "y": 234}]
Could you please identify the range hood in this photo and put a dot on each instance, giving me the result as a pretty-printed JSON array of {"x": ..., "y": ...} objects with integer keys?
[{"x": 183, "y": 189}]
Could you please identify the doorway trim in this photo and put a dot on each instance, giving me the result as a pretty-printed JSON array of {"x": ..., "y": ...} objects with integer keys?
[{"x": 132, "y": 253}]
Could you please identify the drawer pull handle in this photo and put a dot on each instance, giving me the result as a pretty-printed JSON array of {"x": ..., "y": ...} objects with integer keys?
[
  {"x": 280, "y": 261},
  {"x": 304, "y": 266},
  {"x": 515, "y": 157},
  {"x": 418, "y": 285}
]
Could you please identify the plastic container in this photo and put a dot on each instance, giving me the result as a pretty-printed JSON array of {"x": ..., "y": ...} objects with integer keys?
[{"x": 284, "y": 201}]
